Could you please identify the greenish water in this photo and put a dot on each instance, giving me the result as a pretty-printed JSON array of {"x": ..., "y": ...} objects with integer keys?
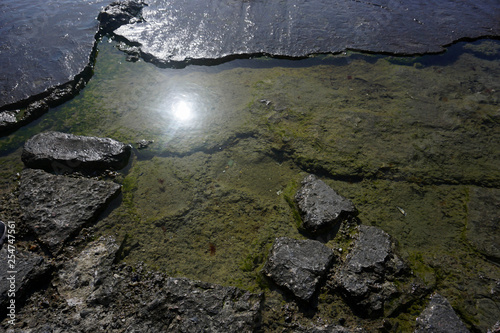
[{"x": 208, "y": 197}]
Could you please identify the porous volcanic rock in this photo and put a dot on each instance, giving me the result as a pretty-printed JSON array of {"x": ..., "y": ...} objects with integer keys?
[
  {"x": 56, "y": 207},
  {"x": 298, "y": 265},
  {"x": 320, "y": 206},
  {"x": 439, "y": 317},
  {"x": 366, "y": 278},
  {"x": 62, "y": 152}
]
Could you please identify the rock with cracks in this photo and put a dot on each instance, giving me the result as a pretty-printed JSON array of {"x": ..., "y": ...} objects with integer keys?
[
  {"x": 320, "y": 206},
  {"x": 57, "y": 207},
  {"x": 101, "y": 296},
  {"x": 439, "y": 317},
  {"x": 298, "y": 265},
  {"x": 366, "y": 279},
  {"x": 62, "y": 152}
]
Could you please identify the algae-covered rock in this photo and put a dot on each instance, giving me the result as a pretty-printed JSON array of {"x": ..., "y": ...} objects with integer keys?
[
  {"x": 366, "y": 279},
  {"x": 483, "y": 223},
  {"x": 439, "y": 317},
  {"x": 298, "y": 265},
  {"x": 320, "y": 206},
  {"x": 57, "y": 207},
  {"x": 62, "y": 152}
]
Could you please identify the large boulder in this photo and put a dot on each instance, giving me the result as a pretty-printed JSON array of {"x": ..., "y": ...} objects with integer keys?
[
  {"x": 320, "y": 206},
  {"x": 483, "y": 222},
  {"x": 56, "y": 207},
  {"x": 366, "y": 278},
  {"x": 439, "y": 317},
  {"x": 62, "y": 152},
  {"x": 298, "y": 265}
]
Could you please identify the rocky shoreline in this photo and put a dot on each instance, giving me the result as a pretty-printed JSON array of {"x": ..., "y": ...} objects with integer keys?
[{"x": 67, "y": 282}]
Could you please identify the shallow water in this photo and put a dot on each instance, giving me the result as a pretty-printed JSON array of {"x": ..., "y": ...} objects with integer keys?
[{"x": 231, "y": 142}]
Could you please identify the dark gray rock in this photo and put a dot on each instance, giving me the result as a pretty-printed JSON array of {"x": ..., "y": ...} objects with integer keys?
[
  {"x": 57, "y": 207},
  {"x": 326, "y": 329},
  {"x": 44, "y": 47},
  {"x": 99, "y": 296},
  {"x": 298, "y": 265},
  {"x": 26, "y": 271},
  {"x": 366, "y": 279},
  {"x": 119, "y": 13},
  {"x": 439, "y": 317},
  {"x": 320, "y": 206},
  {"x": 179, "y": 30},
  {"x": 483, "y": 222},
  {"x": 63, "y": 153}
]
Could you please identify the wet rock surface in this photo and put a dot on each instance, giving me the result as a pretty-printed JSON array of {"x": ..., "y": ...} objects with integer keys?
[
  {"x": 440, "y": 317},
  {"x": 366, "y": 279},
  {"x": 298, "y": 265},
  {"x": 297, "y": 28},
  {"x": 483, "y": 225},
  {"x": 44, "y": 46},
  {"x": 20, "y": 275},
  {"x": 62, "y": 152},
  {"x": 56, "y": 207},
  {"x": 119, "y": 13},
  {"x": 97, "y": 295},
  {"x": 320, "y": 206}
]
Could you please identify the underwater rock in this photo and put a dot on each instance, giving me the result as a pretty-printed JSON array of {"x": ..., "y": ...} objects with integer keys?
[
  {"x": 320, "y": 206},
  {"x": 298, "y": 265},
  {"x": 63, "y": 153},
  {"x": 483, "y": 221},
  {"x": 28, "y": 269},
  {"x": 366, "y": 279},
  {"x": 184, "y": 30},
  {"x": 56, "y": 207},
  {"x": 439, "y": 317}
]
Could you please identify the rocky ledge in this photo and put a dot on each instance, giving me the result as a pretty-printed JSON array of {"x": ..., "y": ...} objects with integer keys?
[{"x": 166, "y": 32}]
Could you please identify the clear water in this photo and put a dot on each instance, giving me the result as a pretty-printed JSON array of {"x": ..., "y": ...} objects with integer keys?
[{"x": 208, "y": 197}]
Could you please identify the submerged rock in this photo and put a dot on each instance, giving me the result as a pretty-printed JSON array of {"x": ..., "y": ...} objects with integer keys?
[
  {"x": 366, "y": 279},
  {"x": 439, "y": 317},
  {"x": 62, "y": 152},
  {"x": 27, "y": 271},
  {"x": 57, "y": 207},
  {"x": 298, "y": 265},
  {"x": 320, "y": 206},
  {"x": 483, "y": 221}
]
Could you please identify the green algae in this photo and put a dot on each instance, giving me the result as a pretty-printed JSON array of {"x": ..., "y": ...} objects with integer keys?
[{"x": 208, "y": 197}]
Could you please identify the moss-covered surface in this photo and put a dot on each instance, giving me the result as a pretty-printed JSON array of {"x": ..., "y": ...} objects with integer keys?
[{"x": 403, "y": 138}]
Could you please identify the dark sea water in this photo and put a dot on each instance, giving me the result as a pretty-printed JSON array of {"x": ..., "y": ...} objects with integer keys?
[{"x": 233, "y": 141}]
